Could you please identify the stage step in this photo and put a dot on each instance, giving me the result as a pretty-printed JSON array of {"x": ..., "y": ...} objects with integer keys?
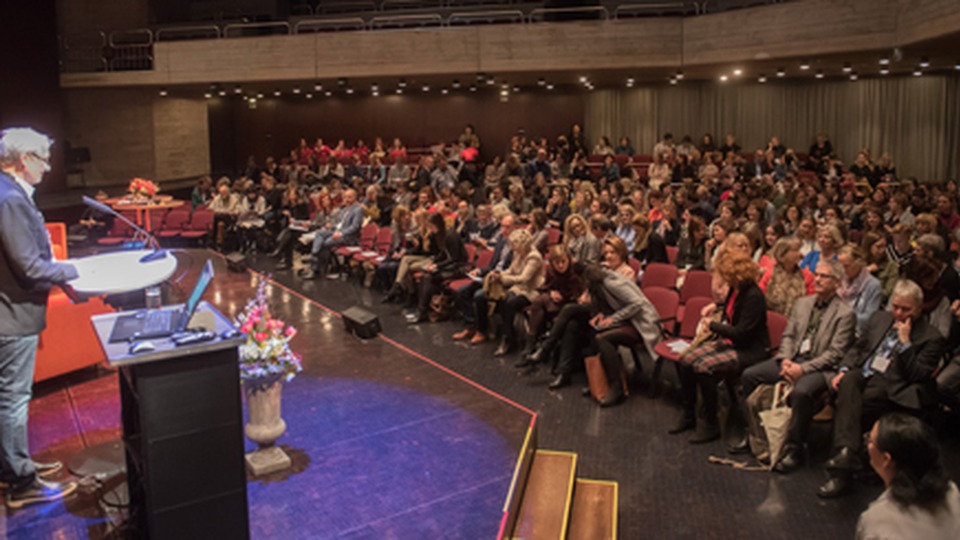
[
  {"x": 545, "y": 508},
  {"x": 594, "y": 512}
]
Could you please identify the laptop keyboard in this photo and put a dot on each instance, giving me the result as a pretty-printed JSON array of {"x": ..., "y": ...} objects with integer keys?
[{"x": 156, "y": 321}]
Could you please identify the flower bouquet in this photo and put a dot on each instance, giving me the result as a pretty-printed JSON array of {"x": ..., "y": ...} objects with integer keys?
[
  {"x": 141, "y": 188},
  {"x": 266, "y": 357}
]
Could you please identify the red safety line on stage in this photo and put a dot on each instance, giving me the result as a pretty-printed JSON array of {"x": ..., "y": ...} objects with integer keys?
[{"x": 408, "y": 350}]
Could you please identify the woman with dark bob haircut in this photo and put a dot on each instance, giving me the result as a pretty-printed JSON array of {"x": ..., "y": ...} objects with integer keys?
[{"x": 920, "y": 501}]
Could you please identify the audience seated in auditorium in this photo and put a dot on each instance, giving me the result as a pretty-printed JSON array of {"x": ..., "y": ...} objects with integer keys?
[
  {"x": 819, "y": 331},
  {"x": 343, "y": 231},
  {"x": 890, "y": 368}
]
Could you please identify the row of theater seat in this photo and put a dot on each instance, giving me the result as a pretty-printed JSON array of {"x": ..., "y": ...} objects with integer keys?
[{"x": 176, "y": 223}]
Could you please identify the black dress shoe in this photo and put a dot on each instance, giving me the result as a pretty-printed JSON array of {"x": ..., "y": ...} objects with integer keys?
[
  {"x": 836, "y": 486},
  {"x": 39, "y": 491},
  {"x": 686, "y": 423},
  {"x": 740, "y": 446},
  {"x": 612, "y": 400},
  {"x": 705, "y": 433},
  {"x": 844, "y": 460},
  {"x": 559, "y": 382},
  {"x": 791, "y": 460}
]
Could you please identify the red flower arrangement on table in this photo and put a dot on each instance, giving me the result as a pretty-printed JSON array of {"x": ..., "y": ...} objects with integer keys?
[
  {"x": 141, "y": 187},
  {"x": 266, "y": 357}
]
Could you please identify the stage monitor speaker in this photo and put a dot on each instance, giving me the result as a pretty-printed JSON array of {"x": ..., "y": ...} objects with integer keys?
[
  {"x": 236, "y": 262},
  {"x": 360, "y": 322}
]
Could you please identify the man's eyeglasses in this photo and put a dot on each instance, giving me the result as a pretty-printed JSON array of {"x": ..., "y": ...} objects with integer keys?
[{"x": 45, "y": 160}]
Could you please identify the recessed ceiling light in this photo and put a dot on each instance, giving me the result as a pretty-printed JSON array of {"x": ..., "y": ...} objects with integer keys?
[
  {"x": 222, "y": 93},
  {"x": 504, "y": 85},
  {"x": 342, "y": 81},
  {"x": 237, "y": 90},
  {"x": 781, "y": 72},
  {"x": 738, "y": 72},
  {"x": 276, "y": 92},
  {"x": 260, "y": 95},
  {"x": 762, "y": 78},
  {"x": 328, "y": 93},
  {"x": 884, "y": 71},
  {"x": 924, "y": 62},
  {"x": 456, "y": 83},
  {"x": 549, "y": 87},
  {"x": 163, "y": 92},
  {"x": 349, "y": 90},
  {"x": 918, "y": 73},
  {"x": 444, "y": 91},
  {"x": 583, "y": 79},
  {"x": 296, "y": 89},
  {"x": 318, "y": 87},
  {"x": 541, "y": 82},
  {"x": 957, "y": 65},
  {"x": 723, "y": 78},
  {"x": 473, "y": 88},
  {"x": 425, "y": 88},
  {"x": 402, "y": 83},
  {"x": 673, "y": 81},
  {"x": 207, "y": 95},
  {"x": 375, "y": 93},
  {"x": 308, "y": 95},
  {"x": 884, "y": 61},
  {"x": 847, "y": 68},
  {"x": 805, "y": 65},
  {"x": 516, "y": 89},
  {"x": 491, "y": 81},
  {"x": 819, "y": 74},
  {"x": 399, "y": 90},
  {"x": 504, "y": 93},
  {"x": 374, "y": 87},
  {"x": 481, "y": 77},
  {"x": 854, "y": 76},
  {"x": 679, "y": 75}
]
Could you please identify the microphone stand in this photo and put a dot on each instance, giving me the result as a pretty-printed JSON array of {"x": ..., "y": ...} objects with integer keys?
[{"x": 157, "y": 254}]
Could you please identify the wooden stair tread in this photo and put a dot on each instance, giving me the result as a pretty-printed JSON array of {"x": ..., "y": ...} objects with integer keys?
[
  {"x": 594, "y": 512},
  {"x": 545, "y": 509}
]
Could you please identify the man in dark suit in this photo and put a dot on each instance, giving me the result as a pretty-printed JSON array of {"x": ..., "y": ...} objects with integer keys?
[
  {"x": 26, "y": 274},
  {"x": 819, "y": 331},
  {"x": 469, "y": 298},
  {"x": 890, "y": 369},
  {"x": 345, "y": 232}
]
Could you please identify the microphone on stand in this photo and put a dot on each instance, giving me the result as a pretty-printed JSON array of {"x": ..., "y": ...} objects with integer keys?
[{"x": 157, "y": 253}]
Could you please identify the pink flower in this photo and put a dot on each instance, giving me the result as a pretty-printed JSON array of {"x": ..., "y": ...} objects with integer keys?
[
  {"x": 246, "y": 328},
  {"x": 260, "y": 336},
  {"x": 291, "y": 331}
]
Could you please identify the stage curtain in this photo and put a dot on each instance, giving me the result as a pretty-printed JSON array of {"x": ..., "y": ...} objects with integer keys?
[{"x": 916, "y": 119}]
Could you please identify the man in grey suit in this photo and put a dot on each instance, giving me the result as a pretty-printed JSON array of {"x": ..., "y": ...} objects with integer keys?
[
  {"x": 889, "y": 369},
  {"x": 26, "y": 274},
  {"x": 819, "y": 331},
  {"x": 345, "y": 232}
]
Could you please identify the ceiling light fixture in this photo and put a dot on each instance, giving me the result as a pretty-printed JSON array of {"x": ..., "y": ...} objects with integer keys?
[
  {"x": 819, "y": 74},
  {"x": 491, "y": 81},
  {"x": 583, "y": 79},
  {"x": 342, "y": 81},
  {"x": 260, "y": 95},
  {"x": 444, "y": 91},
  {"x": 399, "y": 90},
  {"x": 924, "y": 62},
  {"x": 847, "y": 68},
  {"x": 473, "y": 88},
  {"x": 723, "y": 78},
  {"x": 276, "y": 92},
  {"x": 805, "y": 65},
  {"x": 402, "y": 83},
  {"x": 541, "y": 82},
  {"x": 516, "y": 89},
  {"x": 673, "y": 81},
  {"x": 222, "y": 93},
  {"x": 425, "y": 88},
  {"x": 456, "y": 83},
  {"x": 762, "y": 79},
  {"x": 918, "y": 73},
  {"x": 296, "y": 89},
  {"x": 679, "y": 75},
  {"x": 318, "y": 87},
  {"x": 884, "y": 71},
  {"x": 854, "y": 76},
  {"x": 884, "y": 61},
  {"x": 163, "y": 92},
  {"x": 738, "y": 72},
  {"x": 207, "y": 95},
  {"x": 328, "y": 93},
  {"x": 781, "y": 72},
  {"x": 349, "y": 90},
  {"x": 549, "y": 87},
  {"x": 237, "y": 90}
]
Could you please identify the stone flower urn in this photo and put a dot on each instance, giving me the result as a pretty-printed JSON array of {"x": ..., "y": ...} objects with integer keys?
[{"x": 265, "y": 427}]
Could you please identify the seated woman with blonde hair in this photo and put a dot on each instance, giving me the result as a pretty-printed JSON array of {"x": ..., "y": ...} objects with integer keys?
[
  {"x": 616, "y": 258},
  {"x": 520, "y": 281}
]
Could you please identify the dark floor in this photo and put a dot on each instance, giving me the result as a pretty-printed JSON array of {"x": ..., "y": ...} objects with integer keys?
[{"x": 668, "y": 489}]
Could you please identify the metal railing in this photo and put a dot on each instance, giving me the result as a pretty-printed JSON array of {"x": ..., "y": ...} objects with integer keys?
[
  {"x": 180, "y": 33},
  {"x": 133, "y": 49},
  {"x": 235, "y": 30}
]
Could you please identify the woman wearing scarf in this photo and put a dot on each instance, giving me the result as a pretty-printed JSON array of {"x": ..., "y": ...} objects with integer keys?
[{"x": 859, "y": 288}]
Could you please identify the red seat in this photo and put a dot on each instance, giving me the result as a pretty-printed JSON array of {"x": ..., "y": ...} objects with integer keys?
[
  {"x": 120, "y": 232},
  {"x": 368, "y": 237},
  {"x": 484, "y": 256},
  {"x": 695, "y": 283},
  {"x": 672, "y": 253},
  {"x": 776, "y": 324},
  {"x": 635, "y": 265},
  {"x": 174, "y": 224},
  {"x": 201, "y": 224},
  {"x": 554, "y": 235},
  {"x": 660, "y": 275},
  {"x": 380, "y": 247},
  {"x": 666, "y": 302}
]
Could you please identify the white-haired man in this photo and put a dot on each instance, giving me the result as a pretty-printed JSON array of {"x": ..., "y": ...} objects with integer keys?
[
  {"x": 889, "y": 369},
  {"x": 27, "y": 272}
]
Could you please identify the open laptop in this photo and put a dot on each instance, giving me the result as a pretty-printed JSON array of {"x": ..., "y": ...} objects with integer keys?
[{"x": 164, "y": 322}]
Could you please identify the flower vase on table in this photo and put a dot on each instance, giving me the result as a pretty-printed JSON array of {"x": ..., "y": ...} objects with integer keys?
[
  {"x": 142, "y": 191},
  {"x": 266, "y": 362}
]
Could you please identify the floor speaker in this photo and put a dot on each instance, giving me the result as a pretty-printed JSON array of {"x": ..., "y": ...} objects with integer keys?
[
  {"x": 236, "y": 262},
  {"x": 360, "y": 322}
]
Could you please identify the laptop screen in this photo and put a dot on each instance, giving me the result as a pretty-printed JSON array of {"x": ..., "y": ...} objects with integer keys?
[{"x": 206, "y": 276}]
